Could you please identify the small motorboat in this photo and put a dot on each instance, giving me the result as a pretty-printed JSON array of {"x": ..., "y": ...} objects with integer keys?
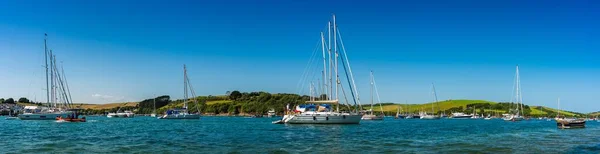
[
  {"x": 73, "y": 117},
  {"x": 69, "y": 119},
  {"x": 10, "y": 118}
]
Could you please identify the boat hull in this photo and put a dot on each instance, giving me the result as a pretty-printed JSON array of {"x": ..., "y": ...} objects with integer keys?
[
  {"x": 322, "y": 119},
  {"x": 429, "y": 117},
  {"x": 60, "y": 119},
  {"x": 120, "y": 115},
  {"x": 461, "y": 117},
  {"x": 371, "y": 117},
  {"x": 42, "y": 116},
  {"x": 568, "y": 124},
  {"x": 513, "y": 119},
  {"x": 180, "y": 116}
]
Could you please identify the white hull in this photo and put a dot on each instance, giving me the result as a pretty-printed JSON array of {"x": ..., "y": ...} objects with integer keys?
[
  {"x": 152, "y": 115},
  {"x": 371, "y": 117},
  {"x": 43, "y": 116},
  {"x": 180, "y": 116},
  {"x": 120, "y": 115},
  {"x": 322, "y": 119},
  {"x": 429, "y": 117},
  {"x": 513, "y": 118}
]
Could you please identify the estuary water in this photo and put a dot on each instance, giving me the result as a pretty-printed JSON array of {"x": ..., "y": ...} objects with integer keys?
[{"x": 258, "y": 135}]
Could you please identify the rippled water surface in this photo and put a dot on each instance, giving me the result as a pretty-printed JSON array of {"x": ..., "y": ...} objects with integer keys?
[{"x": 258, "y": 135}]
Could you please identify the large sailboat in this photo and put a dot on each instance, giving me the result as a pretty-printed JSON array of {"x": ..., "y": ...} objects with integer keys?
[
  {"x": 370, "y": 114},
  {"x": 322, "y": 111},
  {"x": 183, "y": 113},
  {"x": 431, "y": 116},
  {"x": 58, "y": 96},
  {"x": 516, "y": 114}
]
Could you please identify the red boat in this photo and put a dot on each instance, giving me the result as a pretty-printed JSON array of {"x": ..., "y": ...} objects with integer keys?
[{"x": 69, "y": 119}]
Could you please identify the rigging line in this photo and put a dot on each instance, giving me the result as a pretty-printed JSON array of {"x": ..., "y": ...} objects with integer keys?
[
  {"x": 309, "y": 70},
  {"x": 377, "y": 92},
  {"x": 303, "y": 76},
  {"x": 346, "y": 72},
  {"x": 512, "y": 93},
  {"x": 66, "y": 82},
  {"x": 345, "y": 98},
  {"x": 61, "y": 86},
  {"x": 351, "y": 89},
  {"x": 189, "y": 84}
]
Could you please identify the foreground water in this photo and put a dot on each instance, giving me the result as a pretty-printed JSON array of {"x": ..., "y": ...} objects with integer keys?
[{"x": 258, "y": 135}]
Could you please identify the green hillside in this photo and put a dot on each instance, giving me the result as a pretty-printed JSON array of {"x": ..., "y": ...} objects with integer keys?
[
  {"x": 468, "y": 106},
  {"x": 441, "y": 105}
]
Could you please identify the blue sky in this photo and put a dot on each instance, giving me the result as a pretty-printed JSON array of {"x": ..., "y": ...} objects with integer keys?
[{"x": 130, "y": 50}]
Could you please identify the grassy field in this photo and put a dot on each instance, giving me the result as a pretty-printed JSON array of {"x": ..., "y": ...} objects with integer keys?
[
  {"x": 104, "y": 106},
  {"x": 92, "y": 106},
  {"x": 447, "y": 104},
  {"x": 536, "y": 111},
  {"x": 442, "y": 105},
  {"x": 218, "y": 102}
]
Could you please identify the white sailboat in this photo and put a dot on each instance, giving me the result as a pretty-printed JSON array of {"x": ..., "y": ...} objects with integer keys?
[
  {"x": 431, "y": 116},
  {"x": 154, "y": 110},
  {"x": 56, "y": 89},
  {"x": 371, "y": 115},
  {"x": 183, "y": 113},
  {"x": 515, "y": 115},
  {"x": 322, "y": 111}
]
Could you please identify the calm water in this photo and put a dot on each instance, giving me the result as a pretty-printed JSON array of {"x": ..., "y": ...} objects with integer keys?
[{"x": 258, "y": 135}]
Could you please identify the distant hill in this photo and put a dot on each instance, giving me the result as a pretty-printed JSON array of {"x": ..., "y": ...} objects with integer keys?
[
  {"x": 594, "y": 114},
  {"x": 467, "y": 106},
  {"x": 106, "y": 106}
]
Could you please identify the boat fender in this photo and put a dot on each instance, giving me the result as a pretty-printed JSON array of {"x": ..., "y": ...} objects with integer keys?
[
  {"x": 326, "y": 118},
  {"x": 314, "y": 118},
  {"x": 344, "y": 116}
]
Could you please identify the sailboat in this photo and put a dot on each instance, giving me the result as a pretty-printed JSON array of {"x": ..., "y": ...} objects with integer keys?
[
  {"x": 154, "y": 110},
  {"x": 56, "y": 89},
  {"x": 431, "y": 116},
  {"x": 371, "y": 115},
  {"x": 516, "y": 114},
  {"x": 321, "y": 111},
  {"x": 398, "y": 115},
  {"x": 475, "y": 116},
  {"x": 183, "y": 113},
  {"x": 567, "y": 123}
]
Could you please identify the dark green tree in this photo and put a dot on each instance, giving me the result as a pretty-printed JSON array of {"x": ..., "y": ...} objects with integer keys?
[
  {"x": 23, "y": 100},
  {"x": 234, "y": 95},
  {"x": 9, "y": 101}
]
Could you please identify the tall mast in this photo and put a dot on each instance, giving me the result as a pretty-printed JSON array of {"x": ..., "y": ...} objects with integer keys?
[
  {"x": 434, "y": 96},
  {"x": 518, "y": 93},
  {"x": 55, "y": 81},
  {"x": 558, "y": 115},
  {"x": 154, "y": 111},
  {"x": 371, "y": 80},
  {"x": 185, "y": 88},
  {"x": 330, "y": 63},
  {"x": 52, "y": 99},
  {"x": 337, "y": 78},
  {"x": 324, "y": 64},
  {"x": 46, "y": 66}
]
